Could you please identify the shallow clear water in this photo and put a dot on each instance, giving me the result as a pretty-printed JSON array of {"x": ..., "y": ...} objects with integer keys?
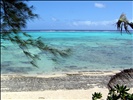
[{"x": 91, "y": 51}]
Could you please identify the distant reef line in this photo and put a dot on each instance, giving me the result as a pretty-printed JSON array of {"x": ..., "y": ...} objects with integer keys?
[
  {"x": 64, "y": 30},
  {"x": 69, "y": 30}
]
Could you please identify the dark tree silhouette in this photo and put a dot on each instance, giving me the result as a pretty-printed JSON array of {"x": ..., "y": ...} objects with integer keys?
[
  {"x": 14, "y": 17},
  {"x": 122, "y": 21}
]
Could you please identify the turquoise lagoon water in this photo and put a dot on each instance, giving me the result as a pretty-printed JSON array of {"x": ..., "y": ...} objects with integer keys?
[{"x": 91, "y": 51}]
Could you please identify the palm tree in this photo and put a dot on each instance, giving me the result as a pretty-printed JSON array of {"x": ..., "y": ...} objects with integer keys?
[
  {"x": 122, "y": 21},
  {"x": 125, "y": 75},
  {"x": 14, "y": 16}
]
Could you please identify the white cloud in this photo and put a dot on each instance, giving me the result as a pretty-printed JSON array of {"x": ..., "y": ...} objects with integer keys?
[
  {"x": 86, "y": 23},
  {"x": 93, "y": 23},
  {"x": 54, "y": 19},
  {"x": 99, "y": 5}
]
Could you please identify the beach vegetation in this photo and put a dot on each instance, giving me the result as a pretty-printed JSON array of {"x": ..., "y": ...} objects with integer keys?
[
  {"x": 123, "y": 22},
  {"x": 118, "y": 92},
  {"x": 117, "y": 86},
  {"x": 96, "y": 96},
  {"x": 14, "y": 17}
]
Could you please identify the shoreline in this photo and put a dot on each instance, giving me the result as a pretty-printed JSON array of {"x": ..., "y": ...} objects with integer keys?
[
  {"x": 61, "y": 74},
  {"x": 65, "y": 81},
  {"x": 60, "y": 81}
]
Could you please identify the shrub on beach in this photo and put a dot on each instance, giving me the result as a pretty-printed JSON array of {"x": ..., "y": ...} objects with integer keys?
[
  {"x": 116, "y": 93},
  {"x": 119, "y": 91}
]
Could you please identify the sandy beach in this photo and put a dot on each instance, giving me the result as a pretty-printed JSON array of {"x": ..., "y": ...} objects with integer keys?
[
  {"x": 70, "y": 86},
  {"x": 55, "y": 94}
]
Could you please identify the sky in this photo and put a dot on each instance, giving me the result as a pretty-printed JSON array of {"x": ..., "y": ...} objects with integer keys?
[{"x": 79, "y": 15}]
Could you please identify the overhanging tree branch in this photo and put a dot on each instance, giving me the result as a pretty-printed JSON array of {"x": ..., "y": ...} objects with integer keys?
[{"x": 14, "y": 16}]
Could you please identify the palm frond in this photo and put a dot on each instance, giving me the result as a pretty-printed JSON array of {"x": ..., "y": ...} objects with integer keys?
[
  {"x": 118, "y": 24},
  {"x": 131, "y": 24},
  {"x": 126, "y": 27},
  {"x": 123, "y": 18},
  {"x": 122, "y": 77}
]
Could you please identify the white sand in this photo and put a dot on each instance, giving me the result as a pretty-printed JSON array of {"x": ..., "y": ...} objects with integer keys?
[
  {"x": 56, "y": 95},
  {"x": 51, "y": 94}
]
